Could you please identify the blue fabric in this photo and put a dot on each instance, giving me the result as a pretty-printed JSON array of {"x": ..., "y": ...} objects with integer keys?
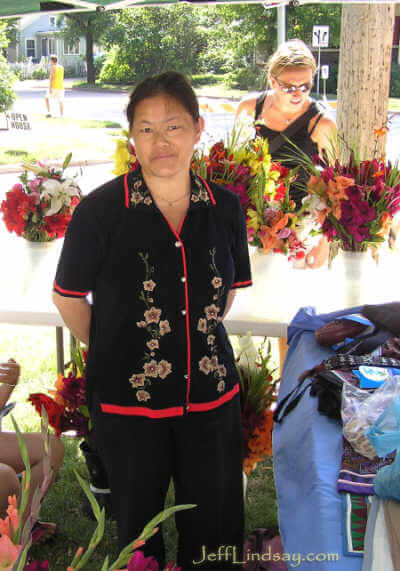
[{"x": 307, "y": 454}]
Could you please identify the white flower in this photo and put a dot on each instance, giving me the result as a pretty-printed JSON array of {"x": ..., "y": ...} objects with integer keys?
[
  {"x": 247, "y": 351},
  {"x": 59, "y": 194}
]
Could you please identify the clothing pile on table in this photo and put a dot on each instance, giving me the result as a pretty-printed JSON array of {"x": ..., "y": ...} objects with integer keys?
[{"x": 355, "y": 386}]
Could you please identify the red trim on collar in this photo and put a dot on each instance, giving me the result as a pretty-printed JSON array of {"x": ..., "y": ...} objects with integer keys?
[
  {"x": 142, "y": 411},
  {"x": 77, "y": 293},
  {"x": 210, "y": 194},
  {"x": 241, "y": 284},
  {"x": 203, "y": 406},
  {"x": 126, "y": 190}
]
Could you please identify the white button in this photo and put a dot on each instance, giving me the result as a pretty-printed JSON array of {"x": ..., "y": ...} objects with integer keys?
[
  {"x": 183, "y": 311},
  {"x": 186, "y": 376},
  {"x": 183, "y": 279},
  {"x": 178, "y": 244}
]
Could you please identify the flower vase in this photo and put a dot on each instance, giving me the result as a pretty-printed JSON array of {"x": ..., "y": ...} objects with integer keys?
[
  {"x": 270, "y": 280},
  {"x": 358, "y": 271},
  {"x": 36, "y": 257}
]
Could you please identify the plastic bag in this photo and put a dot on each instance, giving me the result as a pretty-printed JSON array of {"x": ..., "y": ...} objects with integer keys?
[
  {"x": 384, "y": 435},
  {"x": 360, "y": 410}
]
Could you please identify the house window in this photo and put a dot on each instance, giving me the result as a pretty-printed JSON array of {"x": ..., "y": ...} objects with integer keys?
[
  {"x": 52, "y": 20},
  {"x": 30, "y": 48},
  {"x": 52, "y": 46},
  {"x": 71, "y": 48}
]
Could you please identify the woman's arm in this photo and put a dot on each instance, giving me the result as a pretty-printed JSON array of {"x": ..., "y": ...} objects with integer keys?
[
  {"x": 9, "y": 375},
  {"x": 325, "y": 135},
  {"x": 246, "y": 106},
  {"x": 76, "y": 314}
]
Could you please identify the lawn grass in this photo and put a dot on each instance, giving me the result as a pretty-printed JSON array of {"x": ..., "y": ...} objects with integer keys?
[
  {"x": 53, "y": 138},
  {"x": 34, "y": 349}
]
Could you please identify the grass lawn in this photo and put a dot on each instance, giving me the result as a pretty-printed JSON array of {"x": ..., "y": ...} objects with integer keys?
[
  {"x": 55, "y": 137},
  {"x": 34, "y": 349}
]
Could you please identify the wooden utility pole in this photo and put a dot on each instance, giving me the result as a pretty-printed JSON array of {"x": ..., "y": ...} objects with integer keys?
[{"x": 364, "y": 74}]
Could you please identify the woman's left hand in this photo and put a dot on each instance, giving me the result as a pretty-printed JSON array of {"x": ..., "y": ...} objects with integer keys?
[
  {"x": 9, "y": 372},
  {"x": 318, "y": 255}
]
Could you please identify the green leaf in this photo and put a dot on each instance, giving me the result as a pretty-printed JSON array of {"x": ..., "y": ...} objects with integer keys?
[{"x": 66, "y": 162}]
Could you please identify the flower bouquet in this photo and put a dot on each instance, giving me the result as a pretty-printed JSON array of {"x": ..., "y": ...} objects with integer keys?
[
  {"x": 40, "y": 207},
  {"x": 66, "y": 409},
  {"x": 262, "y": 185},
  {"x": 257, "y": 393},
  {"x": 124, "y": 156}
]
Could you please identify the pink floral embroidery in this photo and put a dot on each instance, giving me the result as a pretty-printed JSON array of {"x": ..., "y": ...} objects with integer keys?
[
  {"x": 156, "y": 328},
  {"x": 164, "y": 327},
  {"x": 202, "y": 325},
  {"x": 199, "y": 192},
  {"x": 139, "y": 193},
  {"x": 151, "y": 368},
  {"x": 137, "y": 380},
  {"x": 221, "y": 386},
  {"x": 205, "y": 365},
  {"x": 147, "y": 201},
  {"x": 152, "y": 315},
  {"x": 211, "y": 311},
  {"x": 142, "y": 396},
  {"x": 152, "y": 344},
  {"x": 216, "y": 282},
  {"x": 164, "y": 369},
  {"x": 136, "y": 198},
  {"x": 208, "y": 324},
  {"x": 149, "y": 285}
]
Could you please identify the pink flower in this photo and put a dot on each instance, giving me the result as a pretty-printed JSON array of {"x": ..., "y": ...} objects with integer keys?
[
  {"x": 8, "y": 553},
  {"x": 149, "y": 285},
  {"x": 151, "y": 368},
  {"x": 137, "y": 380},
  {"x": 152, "y": 344},
  {"x": 284, "y": 233},
  {"x": 221, "y": 386},
  {"x": 142, "y": 396},
  {"x": 214, "y": 363},
  {"x": 222, "y": 370},
  {"x": 37, "y": 566},
  {"x": 205, "y": 365},
  {"x": 152, "y": 315},
  {"x": 216, "y": 282},
  {"x": 164, "y": 369},
  {"x": 164, "y": 327},
  {"x": 139, "y": 562},
  {"x": 211, "y": 311},
  {"x": 202, "y": 325}
]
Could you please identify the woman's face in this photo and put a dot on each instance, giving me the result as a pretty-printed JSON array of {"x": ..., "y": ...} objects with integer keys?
[
  {"x": 164, "y": 134},
  {"x": 289, "y": 78}
]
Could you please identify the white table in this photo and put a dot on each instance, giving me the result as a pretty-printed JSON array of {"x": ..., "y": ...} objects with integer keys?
[{"x": 264, "y": 309}]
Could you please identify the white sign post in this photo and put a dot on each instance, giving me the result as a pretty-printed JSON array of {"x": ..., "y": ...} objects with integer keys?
[
  {"x": 320, "y": 39},
  {"x": 324, "y": 77}
]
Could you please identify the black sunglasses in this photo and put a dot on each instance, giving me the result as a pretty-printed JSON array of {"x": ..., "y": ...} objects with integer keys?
[{"x": 303, "y": 88}]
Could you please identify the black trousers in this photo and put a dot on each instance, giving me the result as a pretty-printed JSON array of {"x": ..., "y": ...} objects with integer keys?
[{"x": 202, "y": 453}]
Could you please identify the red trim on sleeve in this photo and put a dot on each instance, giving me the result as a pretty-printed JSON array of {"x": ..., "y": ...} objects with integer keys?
[
  {"x": 126, "y": 190},
  {"x": 241, "y": 284},
  {"x": 142, "y": 411},
  {"x": 210, "y": 194},
  {"x": 203, "y": 406},
  {"x": 70, "y": 292}
]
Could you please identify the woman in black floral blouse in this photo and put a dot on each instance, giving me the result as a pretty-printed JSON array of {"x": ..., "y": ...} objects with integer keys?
[{"x": 162, "y": 252}]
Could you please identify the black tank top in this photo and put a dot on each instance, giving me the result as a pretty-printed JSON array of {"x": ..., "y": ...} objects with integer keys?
[{"x": 302, "y": 139}]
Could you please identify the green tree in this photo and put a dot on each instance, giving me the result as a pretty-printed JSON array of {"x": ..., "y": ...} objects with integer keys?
[
  {"x": 93, "y": 27},
  {"x": 147, "y": 41},
  {"x": 7, "y": 77},
  {"x": 301, "y": 19}
]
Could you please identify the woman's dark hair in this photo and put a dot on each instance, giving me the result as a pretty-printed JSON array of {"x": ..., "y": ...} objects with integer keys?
[{"x": 169, "y": 83}]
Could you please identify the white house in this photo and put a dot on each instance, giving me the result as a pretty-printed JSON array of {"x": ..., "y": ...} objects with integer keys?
[{"x": 39, "y": 37}]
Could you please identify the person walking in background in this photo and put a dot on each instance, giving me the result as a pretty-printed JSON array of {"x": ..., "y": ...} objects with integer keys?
[{"x": 56, "y": 87}]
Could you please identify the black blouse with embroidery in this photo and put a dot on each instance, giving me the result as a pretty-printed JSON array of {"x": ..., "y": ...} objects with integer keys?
[{"x": 157, "y": 347}]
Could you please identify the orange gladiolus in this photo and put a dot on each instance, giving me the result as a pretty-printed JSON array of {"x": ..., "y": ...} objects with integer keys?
[
  {"x": 386, "y": 221},
  {"x": 10, "y": 523},
  {"x": 269, "y": 234},
  {"x": 8, "y": 553},
  {"x": 260, "y": 444},
  {"x": 59, "y": 385},
  {"x": 381, "y": 132}
]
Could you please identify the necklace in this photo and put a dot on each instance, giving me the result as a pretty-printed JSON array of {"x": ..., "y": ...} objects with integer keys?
[{"x": 172, "y": 202}]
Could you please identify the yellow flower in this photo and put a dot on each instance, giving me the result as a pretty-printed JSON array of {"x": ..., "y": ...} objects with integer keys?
[
  {"x": 121, "y": 158},
  {"x": 269, "y": 188},
  {"x": 255, "y": 166},
  {"x": 252, "y": 219}
]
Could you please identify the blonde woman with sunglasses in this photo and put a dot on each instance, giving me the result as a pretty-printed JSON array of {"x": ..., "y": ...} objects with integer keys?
[{"x": 286, "y": 111}]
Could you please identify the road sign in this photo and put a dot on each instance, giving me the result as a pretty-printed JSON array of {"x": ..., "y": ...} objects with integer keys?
[
  {"x": 320, "y": 37},
  {"x": 324, "y": 71}
]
